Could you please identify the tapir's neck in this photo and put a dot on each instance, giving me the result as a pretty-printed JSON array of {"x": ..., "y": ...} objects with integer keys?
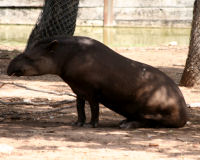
[{"x": 63, "y": 56}]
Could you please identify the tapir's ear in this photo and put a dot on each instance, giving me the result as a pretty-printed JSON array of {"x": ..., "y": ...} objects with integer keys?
[{"x": 52, "y": 45}]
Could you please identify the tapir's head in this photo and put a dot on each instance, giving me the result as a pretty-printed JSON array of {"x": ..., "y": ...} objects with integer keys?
[{"x": 36, "y": 61}]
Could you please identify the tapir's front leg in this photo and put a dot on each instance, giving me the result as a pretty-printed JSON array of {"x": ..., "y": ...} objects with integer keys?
[
  {"x": 80, "y": 104},
  {"x": 94, "y": 106}
]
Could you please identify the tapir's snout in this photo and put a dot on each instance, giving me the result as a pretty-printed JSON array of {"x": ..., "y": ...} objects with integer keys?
[
  {"x": 17, "y": 66},
  {"x": 30, "y": 65},
  {"x": 12, "y": 69},
  {"x": 12, "y": 72}
]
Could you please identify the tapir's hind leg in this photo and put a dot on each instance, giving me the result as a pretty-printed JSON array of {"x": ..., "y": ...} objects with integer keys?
[{"x": 172, "y": 120}]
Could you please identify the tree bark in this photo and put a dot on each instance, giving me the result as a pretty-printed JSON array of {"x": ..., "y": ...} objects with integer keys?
[{"x": 191, "y": 73}]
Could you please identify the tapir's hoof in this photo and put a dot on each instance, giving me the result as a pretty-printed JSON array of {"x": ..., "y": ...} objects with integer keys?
[
  {"x": 125, "y": 124},
  {"x": 78, "y": 124},
  {"x": 91, "y": 125}
]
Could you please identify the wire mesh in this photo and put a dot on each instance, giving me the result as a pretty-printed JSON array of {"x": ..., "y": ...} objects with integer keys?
[{"x": 58, "y": 17}]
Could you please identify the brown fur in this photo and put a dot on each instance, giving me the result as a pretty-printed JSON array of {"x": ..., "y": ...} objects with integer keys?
[{"x": 139, "y": 92}]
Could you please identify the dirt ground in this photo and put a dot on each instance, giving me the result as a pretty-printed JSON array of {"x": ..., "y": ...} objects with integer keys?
[{"x": 45, "y": 132}]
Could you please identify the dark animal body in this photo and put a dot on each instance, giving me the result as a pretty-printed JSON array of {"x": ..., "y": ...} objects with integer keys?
[{"x": 145, "y": 96}]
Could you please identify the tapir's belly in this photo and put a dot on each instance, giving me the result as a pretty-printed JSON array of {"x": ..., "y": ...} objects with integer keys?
[
  {"x": 122, "y": 104},
  {"x": 115, "y": 100}
]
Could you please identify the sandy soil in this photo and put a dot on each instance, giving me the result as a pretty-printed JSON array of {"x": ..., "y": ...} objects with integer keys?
[{"x": 30, "y": 132}]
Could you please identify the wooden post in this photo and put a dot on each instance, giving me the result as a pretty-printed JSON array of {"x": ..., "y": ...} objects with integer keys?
[
  {"x": 108, "y": 34},
  {"x": 108, "y": 12}
]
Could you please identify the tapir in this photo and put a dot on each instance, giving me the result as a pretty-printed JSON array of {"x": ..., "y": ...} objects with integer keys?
[{"x": 144, "y": 95}]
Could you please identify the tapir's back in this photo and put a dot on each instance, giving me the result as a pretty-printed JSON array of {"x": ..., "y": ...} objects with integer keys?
[
  {"x": 121, "y": 78},
  {"x": 121, "y": 83}
]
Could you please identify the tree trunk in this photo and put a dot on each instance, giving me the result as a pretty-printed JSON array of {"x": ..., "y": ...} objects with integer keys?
[{"x": 191, "y": 74}]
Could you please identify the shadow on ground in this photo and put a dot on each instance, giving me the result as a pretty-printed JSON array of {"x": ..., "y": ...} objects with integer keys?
[{"x": 167, "y": 141}]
